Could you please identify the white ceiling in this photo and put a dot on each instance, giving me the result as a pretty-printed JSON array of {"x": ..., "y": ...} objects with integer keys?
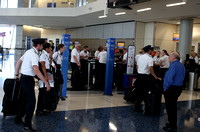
[{"x": 159, "y": 13}]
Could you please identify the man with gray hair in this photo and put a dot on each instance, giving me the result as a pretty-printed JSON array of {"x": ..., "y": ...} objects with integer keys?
[
  {"x": 75, "y": 60},
  {"x": 173, "y": 84}
]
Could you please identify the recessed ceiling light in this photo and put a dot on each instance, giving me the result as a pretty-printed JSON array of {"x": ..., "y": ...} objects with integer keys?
[
  {"x": 145, "y": 9},
  {"x": 120, "y": 13},
  {"x": 176, "y": 4},
  {"x": 178, "y": 22},
  {"x": 103, "y": 16}
]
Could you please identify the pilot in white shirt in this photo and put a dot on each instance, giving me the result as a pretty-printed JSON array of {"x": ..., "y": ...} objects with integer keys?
[{"x": 29, "y": 68}]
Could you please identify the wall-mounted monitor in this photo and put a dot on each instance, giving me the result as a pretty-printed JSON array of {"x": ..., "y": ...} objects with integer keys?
[
  {"x": 120, "y": 45},
  {"x": 176, "y": 37}
]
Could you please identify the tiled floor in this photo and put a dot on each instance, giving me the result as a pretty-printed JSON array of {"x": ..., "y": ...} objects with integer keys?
[{"x": 91, "y": 111}]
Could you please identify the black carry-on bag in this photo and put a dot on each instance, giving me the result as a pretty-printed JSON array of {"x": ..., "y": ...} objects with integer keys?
[
  {"x": 11, "y": 99},
  {"x": 155, "y": 97}
]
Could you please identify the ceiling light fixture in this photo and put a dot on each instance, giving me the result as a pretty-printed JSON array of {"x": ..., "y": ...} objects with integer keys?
[
  {"x": 103, "y": 16},
  {"x": 120, "y": 13},
  {"x": 145, "y": 9},
  {"x": 176, "y": 4}
]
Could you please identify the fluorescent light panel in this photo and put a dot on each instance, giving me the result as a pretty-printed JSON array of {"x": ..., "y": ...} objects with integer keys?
[
  {"x": 145, "y": 9},
  {"x": 103, "y": 16},
  {"x": 176, "y": 4},
  {"x": 120, "y": 13}
]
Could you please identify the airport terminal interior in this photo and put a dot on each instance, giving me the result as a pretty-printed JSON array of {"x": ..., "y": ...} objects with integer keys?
[{"x": 171, "y": 25}]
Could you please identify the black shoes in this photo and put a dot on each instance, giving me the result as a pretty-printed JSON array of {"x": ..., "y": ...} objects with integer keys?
[
  {"x": 169, "y": 128},
  {"x": 62, "y": 98},
  {"x": 29, "y": 129},
  {"x": 19, "y": 122}
]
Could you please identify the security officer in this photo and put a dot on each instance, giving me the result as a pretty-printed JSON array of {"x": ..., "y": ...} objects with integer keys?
[
  {"x": 29, "y": 67},
  {"x": 173, "y": 84},
  {"x": 144, "y": 68}
]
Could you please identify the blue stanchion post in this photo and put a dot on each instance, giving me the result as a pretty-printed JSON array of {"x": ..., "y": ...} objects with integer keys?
[
  {"x": 66, "y": 42},
  {"x": 109, "y": 66}
]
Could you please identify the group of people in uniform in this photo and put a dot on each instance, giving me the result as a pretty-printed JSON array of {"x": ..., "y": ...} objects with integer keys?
[
  {"x": 167, "y": 69},
  {"x": 39, "y": 61}
]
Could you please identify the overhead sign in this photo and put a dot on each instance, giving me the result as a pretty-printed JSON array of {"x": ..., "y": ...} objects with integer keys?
[
  {"x": 3, "y": 34},
  {"x": 176, "y": 37}
]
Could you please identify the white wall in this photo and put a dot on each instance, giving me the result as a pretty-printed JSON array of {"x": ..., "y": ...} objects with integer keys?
[
  {"x": 164, "y": 36},
  {"x": 149, "y": 34},
  {"x": 119, "y": 30},
  {"x": 51, "y": 34},
  {"x": 33, "y": 32},
  {"x": 139, "y": 36}
]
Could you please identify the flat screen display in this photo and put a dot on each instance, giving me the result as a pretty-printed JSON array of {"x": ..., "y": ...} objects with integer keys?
[
  {"x": 176, "y": 37},
  {"x": 120, "y": 45}
]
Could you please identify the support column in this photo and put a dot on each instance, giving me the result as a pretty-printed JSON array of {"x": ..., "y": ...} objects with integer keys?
[
  {"x": 19, "y": 43},
  {"x": 149, "y": 35},
  {"x": 185, "y": 40}
]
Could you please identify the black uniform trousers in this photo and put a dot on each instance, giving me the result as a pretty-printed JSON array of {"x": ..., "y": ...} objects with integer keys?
[
  {"x": 41, "y": 98},
  {"x": 142, "y": 85},
  {"x": 101, "y": 75},
  {"x": 74, "y": 67},
  {"x": 171, "y": 97},
  {"x": 162, "y": 72},
  {"x": 27, "y": 105},
  {"x": 84, "y": 70}
]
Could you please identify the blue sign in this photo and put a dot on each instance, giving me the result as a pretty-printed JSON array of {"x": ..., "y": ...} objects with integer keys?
[
  {"x": 28, "y": 42},
  {"x": 109, "y": 66},
  {"x": 66, "y": 41}
]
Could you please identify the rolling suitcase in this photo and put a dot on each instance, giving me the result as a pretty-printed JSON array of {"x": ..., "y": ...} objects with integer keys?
[
  {"x": 131, "y": 95},
  {"x": 155, "y": 97},
  {"x": 11, "y": 99}
]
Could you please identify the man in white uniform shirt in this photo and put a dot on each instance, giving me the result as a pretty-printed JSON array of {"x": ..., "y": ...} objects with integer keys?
[
  {"x": 29, "y": 68},
  {"x": 102, "y": 68},
  {"x": 145, "y": 68},
  {"x": 84, "y": 54},
  {"x": 164, "y": 63},
  {"x": 75, "y": 60}
]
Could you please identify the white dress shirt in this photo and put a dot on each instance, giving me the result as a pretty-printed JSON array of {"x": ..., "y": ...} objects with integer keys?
[
  {"x": 165, "y": 60},
  {"x": 156, "y": 59},
  {"x": 144, "y": 62},
  {"x": 102, "y": 57},
  {"x": 76, "y": 54},
  {"x": 57, "y": 57},
  {"x": 29, "y": 59},
  {"x": 137, "y": 57},
  {"x": 125, "y": 56},
  {"x": 96, "y": 53},
  {"x": 83, "y": 54}
]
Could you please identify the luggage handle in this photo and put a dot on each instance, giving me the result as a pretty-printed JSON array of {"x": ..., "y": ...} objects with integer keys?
[
  {"x": 14, "y": 90},
  {"x": 13, "y": 94}
]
